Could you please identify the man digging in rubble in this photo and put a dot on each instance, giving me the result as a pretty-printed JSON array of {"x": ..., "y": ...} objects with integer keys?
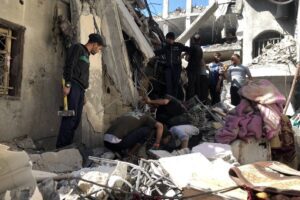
[
  {"x": 172, "y": 51},
  {"x": 179, "y": 136},
  {"x": 76, "y": 76},
  {"x": 167, "y": 108},
  {"x": 131, "y": 131}
]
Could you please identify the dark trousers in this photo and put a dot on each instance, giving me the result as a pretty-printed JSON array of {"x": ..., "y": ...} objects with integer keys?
[
  {"x": 172, "y": 78},
  {"x": 235, "y": 97},
  {"x": 138, "y": 136},
  {"x": 214, "y": 94},
  {"x": 197, "y": 85},
  {"x": 69, "y": 124}
]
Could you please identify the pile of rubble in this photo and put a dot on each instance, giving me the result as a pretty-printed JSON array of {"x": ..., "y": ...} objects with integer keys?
[{"x": 283, "y": 52}]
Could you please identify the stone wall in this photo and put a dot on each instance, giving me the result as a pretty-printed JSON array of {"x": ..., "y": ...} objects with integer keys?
[{"x": 35, "y": 112}]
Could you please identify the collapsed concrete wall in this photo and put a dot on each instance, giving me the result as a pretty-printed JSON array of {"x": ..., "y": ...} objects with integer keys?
[
  {"x": 253, "y": 11},
  {"x": 34, "y": 111}
]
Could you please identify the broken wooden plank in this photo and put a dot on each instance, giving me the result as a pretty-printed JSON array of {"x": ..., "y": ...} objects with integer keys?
[{"x": 201, "y": 19}]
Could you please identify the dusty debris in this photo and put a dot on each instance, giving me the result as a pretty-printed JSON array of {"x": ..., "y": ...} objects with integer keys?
[
  {"x": 198, "y": 172},
  {"x": 66, "y": 160},
  {"x": 25, "y": 142},
  {"x": 214, "y": 151},
  {"x": 41, "y": 175},
  {"x": 251, "y": 151},
  {"x": 97, "y": 177},
  {"x": 16, "y": 178},
  {"x": 283, "y": 52}
]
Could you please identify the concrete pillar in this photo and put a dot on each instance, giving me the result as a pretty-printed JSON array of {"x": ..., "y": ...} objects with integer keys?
[
  {"x": 165, "y": 15},
  {"x": 188, "y": 17},
  {"x": 200, "y": 20}
]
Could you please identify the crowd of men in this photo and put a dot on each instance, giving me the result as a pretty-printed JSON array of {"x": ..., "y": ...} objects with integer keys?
[{"x": 169, "y": 128}]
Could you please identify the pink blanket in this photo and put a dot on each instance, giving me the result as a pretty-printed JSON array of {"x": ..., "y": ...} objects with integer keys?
[{"x": 259, "y": 116}]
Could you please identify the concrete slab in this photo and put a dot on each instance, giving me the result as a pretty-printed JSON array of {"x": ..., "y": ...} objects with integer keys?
[
  {"x": 131, "y": 28},
  {"x": 213, "y": 151},
  {"x": 188, "y": 33},
  {"x": 195, "y": 171},
  {"x": 66, "y": 160},
  {"x": 251, "y": 151}
]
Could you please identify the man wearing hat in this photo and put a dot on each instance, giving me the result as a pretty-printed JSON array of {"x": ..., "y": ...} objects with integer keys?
[
  {"x": 76, "y": 76},
  {"x": 172, "y": 52}
]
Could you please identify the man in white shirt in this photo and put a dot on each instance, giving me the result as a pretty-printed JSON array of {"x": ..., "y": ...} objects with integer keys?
[{"x": 237, "y": 74}]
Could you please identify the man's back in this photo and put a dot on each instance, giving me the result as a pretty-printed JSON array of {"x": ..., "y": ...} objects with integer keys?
[
  {"x": 129, "y": 122},
  {"x": 195, "y": 56}
]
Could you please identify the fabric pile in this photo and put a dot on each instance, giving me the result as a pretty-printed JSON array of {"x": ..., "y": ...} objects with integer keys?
[{"x": 258, "y": 115}]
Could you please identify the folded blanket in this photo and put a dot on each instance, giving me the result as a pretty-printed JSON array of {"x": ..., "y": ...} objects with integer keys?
[
  {"x": 257, "y": 115},
  {"x": 244, "y": 122}
]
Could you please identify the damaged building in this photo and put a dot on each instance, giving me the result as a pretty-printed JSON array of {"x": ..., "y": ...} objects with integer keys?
[
  {"x": 233, "y": 27},
  {"x": 34, "y": 39},
  {"x": 256, "y": 157}
]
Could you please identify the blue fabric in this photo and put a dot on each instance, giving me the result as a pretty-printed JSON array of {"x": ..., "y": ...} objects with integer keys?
[{"x": 214, "y": 69}]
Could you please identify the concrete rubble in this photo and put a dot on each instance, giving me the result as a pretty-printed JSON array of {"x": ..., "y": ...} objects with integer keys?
[
  {"x": 284, "y": 52},
  {"x": 201, "y": 170},
  {"x": 66, "y": 160}
]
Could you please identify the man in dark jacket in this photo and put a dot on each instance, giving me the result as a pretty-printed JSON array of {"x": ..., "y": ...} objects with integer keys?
[
  {"x": 172, "y": 52},
  {"x": 76, "y": 75},
  {"x": 196, "y": 71}
]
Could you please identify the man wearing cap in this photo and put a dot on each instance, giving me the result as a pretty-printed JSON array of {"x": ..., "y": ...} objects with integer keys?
[
  {"x": 172, "y": 51},
  {"x": 76, "y": 75}
]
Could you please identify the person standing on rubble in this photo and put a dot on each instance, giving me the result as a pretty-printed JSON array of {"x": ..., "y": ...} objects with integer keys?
[
  {"x": 172, "y": 52},
  {"x": 76, "y": 76},
  {"x": 196, "y": 71},
  {"x": 216, "y": 72},
  {"x": 130, "y": 131},
  {"x": 236, "y": 74}
]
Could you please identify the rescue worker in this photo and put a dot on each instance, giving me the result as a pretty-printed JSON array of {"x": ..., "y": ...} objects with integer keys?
[
  {"x": 172, "y": 52},
  {"x": 196, "y": 71},
  {"x": 76, "y": 75},
  {"x": 130, "y": 131}
]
